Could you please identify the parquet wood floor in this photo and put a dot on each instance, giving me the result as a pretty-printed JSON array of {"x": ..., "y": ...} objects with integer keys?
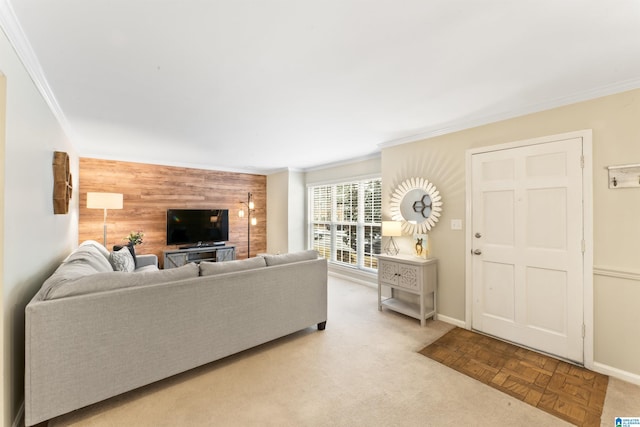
[{"x": 569, "y": 392}]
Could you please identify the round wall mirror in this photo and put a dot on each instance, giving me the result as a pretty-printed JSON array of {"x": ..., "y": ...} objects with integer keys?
[{"x": 417, "y": 203}]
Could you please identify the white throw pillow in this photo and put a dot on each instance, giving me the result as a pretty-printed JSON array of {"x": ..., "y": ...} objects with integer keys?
[{"x": 122, "y": 260}]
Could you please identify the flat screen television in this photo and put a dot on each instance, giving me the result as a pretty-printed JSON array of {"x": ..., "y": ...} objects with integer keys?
[{"x": 197, "y": 227}]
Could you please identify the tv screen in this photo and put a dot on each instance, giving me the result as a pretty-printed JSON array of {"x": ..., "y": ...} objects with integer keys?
[{"x": 197, "y": 226}]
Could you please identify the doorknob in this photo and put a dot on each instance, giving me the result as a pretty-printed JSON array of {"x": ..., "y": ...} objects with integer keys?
[
  {"x": 478, "y": 235},
  {"x": 477, "y": 252}
]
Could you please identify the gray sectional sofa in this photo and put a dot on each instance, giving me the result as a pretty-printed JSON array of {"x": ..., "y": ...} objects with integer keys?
[{"x": 93, "y": 333}]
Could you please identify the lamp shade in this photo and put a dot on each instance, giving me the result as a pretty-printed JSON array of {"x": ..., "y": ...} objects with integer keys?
[
  {"x": 391, "y": 228},
  {"x": 104, "y": 200}
]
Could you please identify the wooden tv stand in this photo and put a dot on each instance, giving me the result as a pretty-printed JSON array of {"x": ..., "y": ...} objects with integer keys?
[{"x": 179, "y": 257}]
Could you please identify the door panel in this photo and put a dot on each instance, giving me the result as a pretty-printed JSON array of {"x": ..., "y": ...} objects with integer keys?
[
  {"x": 499, "y": 231},
  {"x": 547, "y": 218},
  {"x": 498, "y": 291},
  {"x": 547, "y": 299},
  {"x": 527, "y": 224}
]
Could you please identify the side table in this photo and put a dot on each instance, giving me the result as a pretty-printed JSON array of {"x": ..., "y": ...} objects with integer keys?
[{"x": 413, "y": 275}]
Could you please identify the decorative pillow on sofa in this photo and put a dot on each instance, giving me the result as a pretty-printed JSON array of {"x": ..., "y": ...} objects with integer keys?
[
  {"x": 131, "y": 248},
  {"x": 210, "y": 268},
  {"x": 291, "y": 257},
  {"x": 122, "y": 260},
  {"x": 117, "y": 280}
]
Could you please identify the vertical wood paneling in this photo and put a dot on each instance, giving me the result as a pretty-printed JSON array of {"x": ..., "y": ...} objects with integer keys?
[{"x": 149, "y": 190}]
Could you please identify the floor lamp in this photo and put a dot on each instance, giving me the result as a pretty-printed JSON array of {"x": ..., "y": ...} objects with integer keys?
[
  {"x": 104, "y": 201},
  {"x": 250, "y": 220}
]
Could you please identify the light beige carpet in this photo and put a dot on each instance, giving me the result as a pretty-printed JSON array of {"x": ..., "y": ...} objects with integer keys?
[{"x": 363, "y": 370}]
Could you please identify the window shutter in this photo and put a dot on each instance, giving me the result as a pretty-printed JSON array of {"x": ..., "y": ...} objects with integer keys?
[{"x": 345, "y": 221}]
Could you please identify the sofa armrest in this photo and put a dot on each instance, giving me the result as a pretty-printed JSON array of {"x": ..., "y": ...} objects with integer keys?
[{"x": 144, "y": 260}]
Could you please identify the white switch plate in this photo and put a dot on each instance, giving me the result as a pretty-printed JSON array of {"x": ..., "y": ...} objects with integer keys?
[{"x": 456, "y": 224}]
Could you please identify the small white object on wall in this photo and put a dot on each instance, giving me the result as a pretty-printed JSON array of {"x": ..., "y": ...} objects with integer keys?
[{"x": 624, "y": 176}]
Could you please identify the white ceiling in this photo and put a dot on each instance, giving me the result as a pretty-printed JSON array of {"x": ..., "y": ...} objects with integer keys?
[{"x": 256, "y": 85}]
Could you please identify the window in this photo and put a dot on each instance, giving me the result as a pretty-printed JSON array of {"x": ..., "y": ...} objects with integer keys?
[{"x": 345, "y": 222}]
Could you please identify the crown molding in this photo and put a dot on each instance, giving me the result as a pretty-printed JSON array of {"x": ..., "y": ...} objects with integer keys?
[
  {"x": 481, "y": 120},
  {"x": 374, "y": 155},
  {"x": 188, "y": 165},
  {"x": 14, "y": 32}
]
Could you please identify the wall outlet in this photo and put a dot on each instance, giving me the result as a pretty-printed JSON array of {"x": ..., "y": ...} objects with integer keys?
[{"x": 456, "y": 224}]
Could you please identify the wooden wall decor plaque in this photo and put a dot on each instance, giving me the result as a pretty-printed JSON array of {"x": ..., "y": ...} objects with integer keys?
[{"x": 62, "y": 182}]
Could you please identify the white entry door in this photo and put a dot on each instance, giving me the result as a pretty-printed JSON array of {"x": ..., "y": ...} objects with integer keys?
[{"x": 527, "y": 242}]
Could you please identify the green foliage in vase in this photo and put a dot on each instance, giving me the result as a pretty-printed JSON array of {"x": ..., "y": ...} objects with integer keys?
[{"x": 135, "y": 237}]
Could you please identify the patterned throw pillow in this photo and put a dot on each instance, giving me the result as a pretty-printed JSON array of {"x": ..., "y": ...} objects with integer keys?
[
  {"x": 131, "y": 248},
  {"x": 122, "y": 260}
]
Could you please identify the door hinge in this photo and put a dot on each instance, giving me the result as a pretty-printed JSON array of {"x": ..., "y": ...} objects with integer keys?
[
  {"x": 583, "y": 245},
  {"x": 583, "y": 330},
  {"x": 582, "y": 161}
]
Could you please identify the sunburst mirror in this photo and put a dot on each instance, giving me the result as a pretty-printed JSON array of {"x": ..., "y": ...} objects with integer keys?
[{"x": 417, "y": 204}]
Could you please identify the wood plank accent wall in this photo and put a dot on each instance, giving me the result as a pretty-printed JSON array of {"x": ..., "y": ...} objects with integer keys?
[{"x": 149, "y": 190}]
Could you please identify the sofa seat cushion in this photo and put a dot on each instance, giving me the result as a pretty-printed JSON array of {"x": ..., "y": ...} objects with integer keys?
[
  {"x": 210, "y": 268},
  {"x": 290, "y": 257},
  {"x": 101, "y": 282}
]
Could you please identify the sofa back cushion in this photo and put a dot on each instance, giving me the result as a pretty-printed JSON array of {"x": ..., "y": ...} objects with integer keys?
[
  {"x": 100, "y": 282},
  {"x": 210, "y": 268},
  {"x": 89, "y": 255},
  {"x": 97, "y": 246},
  {"x": 87, "y": 259},
  {"x": 290, "y": 257}
]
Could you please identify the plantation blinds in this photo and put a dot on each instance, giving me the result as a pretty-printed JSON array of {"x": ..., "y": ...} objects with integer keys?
[{"x": 345, "y": 222}]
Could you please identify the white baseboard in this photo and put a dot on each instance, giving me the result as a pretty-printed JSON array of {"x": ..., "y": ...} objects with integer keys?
[
  {"x": 452, "y": 321},
  {"x": 617, "y": 373},
  {"x": 353, "y": 279},
  {"x": 18, "y": 421}
]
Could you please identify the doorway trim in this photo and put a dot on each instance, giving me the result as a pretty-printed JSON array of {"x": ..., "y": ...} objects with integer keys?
[{"x": 587, "y": 212}]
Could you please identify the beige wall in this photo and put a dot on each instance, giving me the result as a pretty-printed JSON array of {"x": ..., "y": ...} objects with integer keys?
[
  {"x": 286, "y": 229},
  {"x": 616, "y": 140},
  {"x": 35, "y": 240},
  {"x": 277, "y": 212},
  {"x": 297, "y": 218},
  {"x": 3, "y": 110}
]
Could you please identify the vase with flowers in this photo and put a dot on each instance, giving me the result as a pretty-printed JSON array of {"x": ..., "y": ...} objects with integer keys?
[{"x": 135, "y": 238}]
